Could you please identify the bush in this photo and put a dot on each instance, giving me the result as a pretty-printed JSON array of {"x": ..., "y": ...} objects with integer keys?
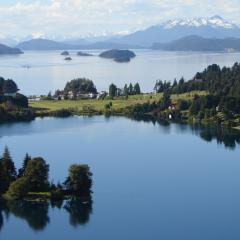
[
  {"x": 18, "y": 189},
  {"x": 183, "y": 105}
]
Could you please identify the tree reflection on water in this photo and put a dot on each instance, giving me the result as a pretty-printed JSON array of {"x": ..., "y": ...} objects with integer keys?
[{"x": 36, "y": 214}]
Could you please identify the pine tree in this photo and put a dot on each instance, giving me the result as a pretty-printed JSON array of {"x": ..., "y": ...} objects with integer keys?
[
  {"x": 125, "y": 90},
  {"x": 137, "y": 89},
  {"x": 130, "y": 89},
  {"x": 7, "y": 170},
  {"x": 112, "y": 91},
  {"x": 24, "y": 165}
]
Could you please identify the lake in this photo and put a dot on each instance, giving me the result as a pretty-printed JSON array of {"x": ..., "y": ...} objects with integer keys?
[
  {"x": 152, "y": 180},
  {"x": 49, "y": 71}
]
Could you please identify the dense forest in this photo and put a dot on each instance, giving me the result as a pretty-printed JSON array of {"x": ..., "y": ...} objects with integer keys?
[{"x": 222, "y": 86}]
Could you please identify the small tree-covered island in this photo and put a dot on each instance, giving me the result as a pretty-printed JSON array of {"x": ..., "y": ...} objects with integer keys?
[
  {"x": 118, "y": 55},
  {"x": 31, "y": 181}
]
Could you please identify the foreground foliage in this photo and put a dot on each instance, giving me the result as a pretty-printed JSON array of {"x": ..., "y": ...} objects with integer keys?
[{"x": 32, "y": 180}]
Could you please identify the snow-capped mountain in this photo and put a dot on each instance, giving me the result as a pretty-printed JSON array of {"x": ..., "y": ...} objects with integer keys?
[
  {"x": 215, "y": 22},
  {"x": 212, "y": 27}
]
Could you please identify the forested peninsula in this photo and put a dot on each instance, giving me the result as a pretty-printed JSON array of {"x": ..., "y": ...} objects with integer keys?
[{"x": 211, "y": 96}]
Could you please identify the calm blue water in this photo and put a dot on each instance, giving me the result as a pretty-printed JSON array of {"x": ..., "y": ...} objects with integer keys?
[
  {"x": 49, "y": 70},
  {"x": 151, "y": 181}
]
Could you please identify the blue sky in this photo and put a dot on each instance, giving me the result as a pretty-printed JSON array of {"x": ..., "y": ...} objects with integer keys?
[{"x": 76, "y": 18}]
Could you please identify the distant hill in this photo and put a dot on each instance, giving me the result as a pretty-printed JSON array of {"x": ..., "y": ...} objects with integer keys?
[
  {"x": 8, "y": 50},
  {"x": 45, "y": 44},
  {"x": 213, "y": 27},
  {"x": 196, "y": 43},
  {"x": 110, "y": 45}
]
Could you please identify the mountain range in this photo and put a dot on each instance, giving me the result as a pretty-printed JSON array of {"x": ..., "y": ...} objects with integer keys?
[
  {"x": 46, "y": 44},
  {"x": 196, "y": 43},
  {"x": 213, "y": 27}
]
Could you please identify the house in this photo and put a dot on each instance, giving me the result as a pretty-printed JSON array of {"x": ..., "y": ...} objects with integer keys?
[
  {"x": 11, "y": 94},
  {"x": 102, "y": 94}
]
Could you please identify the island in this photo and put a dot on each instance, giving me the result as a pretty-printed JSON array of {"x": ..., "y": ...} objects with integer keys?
[
  {"x": 84, "y": 54},
  {"x": 65, "y": 53},
  {"x": 68, "y": 58},
  {"x": 118, "y": 55},
  {"x": 5, "y": 50},
  {"x": 31, "y": 181}
]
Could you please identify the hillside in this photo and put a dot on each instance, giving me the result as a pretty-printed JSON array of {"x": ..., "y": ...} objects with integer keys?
[
  {"x": 43, "y": 44},
  {"x": 196, "y": 43},
  {"x": 8, "y": 50}
]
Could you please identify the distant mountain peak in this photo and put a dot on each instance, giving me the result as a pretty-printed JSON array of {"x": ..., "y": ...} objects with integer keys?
[{"x": 214, "y": 22}]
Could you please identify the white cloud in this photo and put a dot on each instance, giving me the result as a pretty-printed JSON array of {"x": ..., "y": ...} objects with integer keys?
[{"x": 82, "y": 17}]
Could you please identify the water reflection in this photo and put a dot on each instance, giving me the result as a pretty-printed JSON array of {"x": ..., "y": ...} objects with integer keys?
[
  {"x": 79, "y": 212},
  {"x": 227, "y": 136},
  {"x": 36, "y": 214},
  {"x": 230, "y": 138}
]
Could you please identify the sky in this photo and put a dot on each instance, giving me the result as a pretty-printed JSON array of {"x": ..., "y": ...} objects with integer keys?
[{"x": 80, "y": 18}]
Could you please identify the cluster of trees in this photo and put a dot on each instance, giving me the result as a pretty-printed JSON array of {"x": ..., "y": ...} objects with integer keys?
[
  {"x": 33, "y": 177},
  {"x": 13, "y": 106},
  {"x": 130, "y": 89},
  {"x": 80, "y": 85},
  {"x": 7, "y": 86},
  {"x": 217, "y": 81},
  {"x": 221, "y": 84},
  {"x": 73, "y": 89}
]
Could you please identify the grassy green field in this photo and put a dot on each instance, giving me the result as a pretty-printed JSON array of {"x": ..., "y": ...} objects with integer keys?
[{"x": 99, "y": 105}]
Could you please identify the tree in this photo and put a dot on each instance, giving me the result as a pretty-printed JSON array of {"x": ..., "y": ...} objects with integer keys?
[
  {"x": 112, "y": 90},
  {"x": 130, "y": 89},
  {"x": 79, "y": 181},
  {"x": 20, "y": 101},
  {"x": 7, "y": 170},
  {"x": 165, "y": 102},
  {"x": 182, "y": 104},
  {"x": 49, "y": 96},
  {"x": 137, "y": 89},
  {"x": 18, "y": 189},
  {"x": 37, "y": 173},
  {"x": 24, "y": 165},
  {"x": 9, "y": 86},
  {"x": 125, "y": 90},
  {"x": 195, "y": 106},
  {"x": 80, "y": 85}
]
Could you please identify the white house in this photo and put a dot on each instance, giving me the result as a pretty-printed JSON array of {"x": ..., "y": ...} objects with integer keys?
[{"x": 11, "y": 94}]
